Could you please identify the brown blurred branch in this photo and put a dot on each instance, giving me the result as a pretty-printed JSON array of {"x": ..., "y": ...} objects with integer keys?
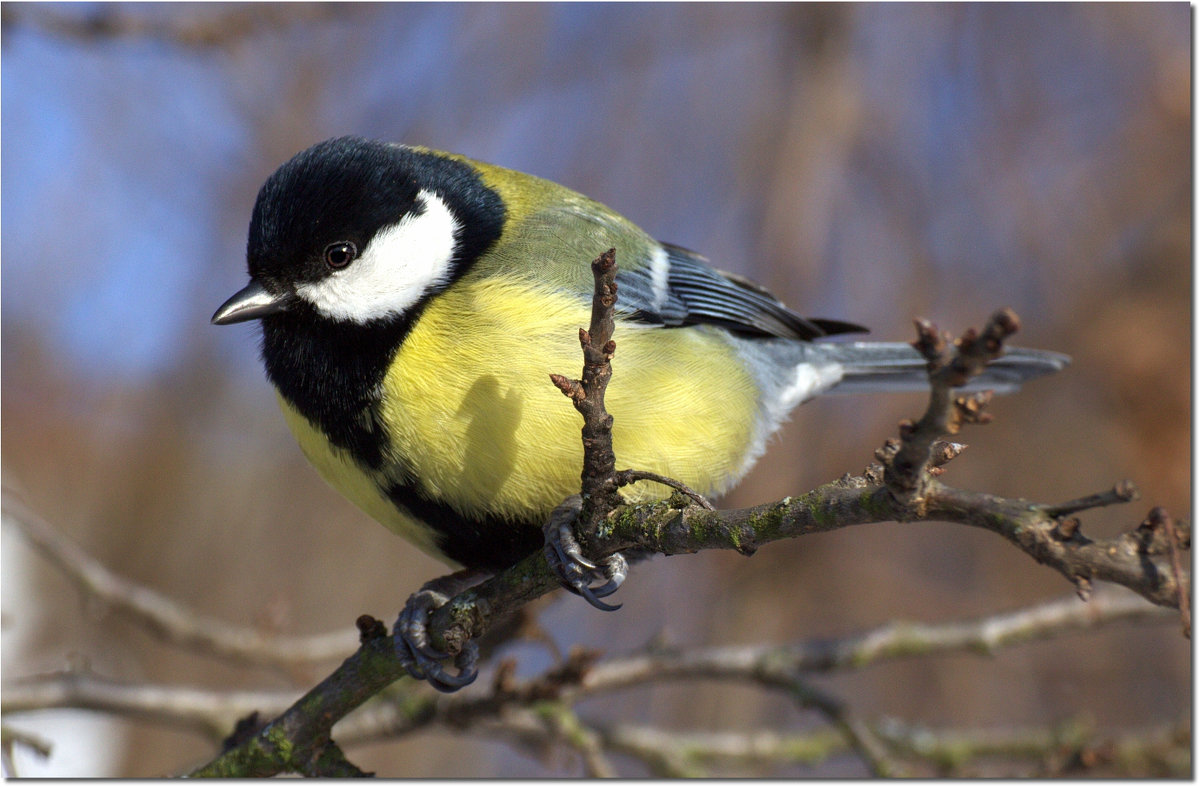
[
  {"x": 10, "y": 739},
  {"x": 1071, "y": 746},
  {"x": 899, "y": 639},
  {"x": 212, "y": 713},
  {"x": 201, "y": 29},
  {"x": 208, "y": 712},
  {"x": 777, "y": 667},
  {"x": 164, "y": 617}
]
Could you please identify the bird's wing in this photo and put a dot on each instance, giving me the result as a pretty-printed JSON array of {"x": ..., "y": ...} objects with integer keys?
[
  {"x": 659, "y": 284},
  {"x": 681, "y": 288}
]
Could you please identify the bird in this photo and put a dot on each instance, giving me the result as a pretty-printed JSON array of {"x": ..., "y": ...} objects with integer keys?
[{"x": 413, "y": 301}]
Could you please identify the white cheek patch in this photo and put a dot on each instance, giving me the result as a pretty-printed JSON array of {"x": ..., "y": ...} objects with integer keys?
[{"x": 398, "y": 267}]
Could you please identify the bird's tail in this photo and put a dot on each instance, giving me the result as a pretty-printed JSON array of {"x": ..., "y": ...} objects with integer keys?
[{"x": 870, "y": 367}]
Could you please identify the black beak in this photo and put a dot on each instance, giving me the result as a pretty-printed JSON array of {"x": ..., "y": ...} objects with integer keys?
[{"x": 250, "y": 303}]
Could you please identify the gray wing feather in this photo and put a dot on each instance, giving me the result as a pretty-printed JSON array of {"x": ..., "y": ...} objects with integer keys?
[{"x": 698, "y": 293}]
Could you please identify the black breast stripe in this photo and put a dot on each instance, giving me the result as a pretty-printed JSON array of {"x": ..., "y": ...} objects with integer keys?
[{"x": 484, "y": 542}]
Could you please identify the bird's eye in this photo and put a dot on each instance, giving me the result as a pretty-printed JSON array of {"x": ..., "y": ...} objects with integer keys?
[{"x": 340, "y": 254}]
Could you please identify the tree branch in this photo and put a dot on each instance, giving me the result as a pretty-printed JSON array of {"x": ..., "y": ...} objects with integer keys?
[
  {"x": 223, "y": 29},
  {"x": 785, "y": 668},
  {"x": 672, "y": 527},
  {"x": 162, "y": 616},
  {"x": 212, "y": 712},
  {"x": 206, "y": 712},
  {"x": 584, "y": 674},
  {"x": 599, "y": 490},
  {"x": 1072, "y": 745},
  {"x": 906, "y": 467}
]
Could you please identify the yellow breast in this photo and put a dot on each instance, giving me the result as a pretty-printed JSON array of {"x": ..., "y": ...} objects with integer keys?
[
  {"x": 474, "y": 417},
  {"x": 475, "y": 414}
]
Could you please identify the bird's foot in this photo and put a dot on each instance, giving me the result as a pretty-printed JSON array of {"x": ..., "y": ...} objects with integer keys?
[
  {"x": 411, "y": 635},
  {"x": 575, "y": 572}
]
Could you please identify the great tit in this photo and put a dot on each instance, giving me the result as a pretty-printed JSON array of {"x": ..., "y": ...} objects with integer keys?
[{"x": 413, "y": 302}]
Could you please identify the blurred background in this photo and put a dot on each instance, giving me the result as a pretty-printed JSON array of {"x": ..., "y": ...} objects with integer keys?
[{"x": 872, "y": 163}]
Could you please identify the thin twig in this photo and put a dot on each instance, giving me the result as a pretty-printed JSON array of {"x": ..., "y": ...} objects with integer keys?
[
  {"x": 587, "y": 394},
  {"x": 906, "y": 467},
  {"x": 566, "y": 725},
  {"x": 861, "y": 739},
  {"x": 222, "y": 30},
  {"x": 208, "y": 712},
  {"x": 772, "y": 665},
  {"x": 627, "y": 477},
  {"x": 11, "y": 738},
  {"x": 212, "y": 712},
  {"x": 945, "y": 752},
  {"x": 162, "y": 616},
  {"x": 1122, "y": 492}
]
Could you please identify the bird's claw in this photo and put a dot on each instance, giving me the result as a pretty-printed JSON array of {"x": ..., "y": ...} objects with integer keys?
[
  {"x": 419, "y": 657},
  {"x": 575, "y": 572}
]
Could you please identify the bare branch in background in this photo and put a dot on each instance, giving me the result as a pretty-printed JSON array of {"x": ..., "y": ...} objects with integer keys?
[
  {"x": 13, "y": 738},
  {"x": 221, "y": 29},
  {"x": 163, "y": 617},
  {"x": 785, "y": 668},
  {"x": 212, "y": 712},
  {"x": 209, "y": 712}
]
